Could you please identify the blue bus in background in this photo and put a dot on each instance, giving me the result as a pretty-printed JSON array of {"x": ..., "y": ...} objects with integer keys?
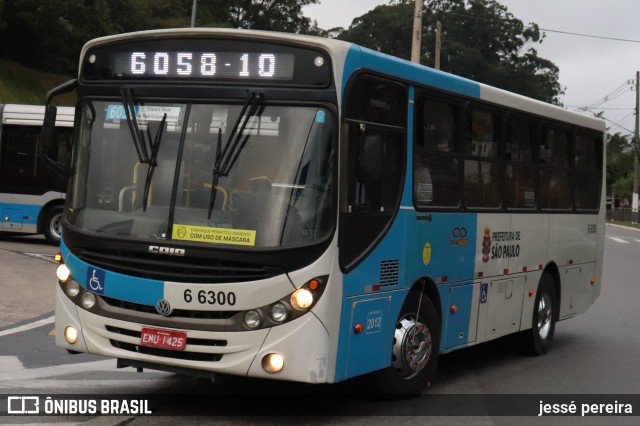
[
  {"x": 296, "y": 208},
  {"x": 31, "y": 195}
]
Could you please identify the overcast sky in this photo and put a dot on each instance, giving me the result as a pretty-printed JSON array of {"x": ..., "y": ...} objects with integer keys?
[{"x": 590, "y": 68}]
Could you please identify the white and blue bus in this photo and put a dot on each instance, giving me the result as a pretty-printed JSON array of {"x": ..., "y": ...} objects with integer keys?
[
  {"x": 31, "y": 195},
  {"x": 304, "y": 209}
]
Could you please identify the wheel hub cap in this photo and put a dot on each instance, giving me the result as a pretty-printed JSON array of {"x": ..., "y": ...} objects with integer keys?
[{"x": 411, "y": 348}]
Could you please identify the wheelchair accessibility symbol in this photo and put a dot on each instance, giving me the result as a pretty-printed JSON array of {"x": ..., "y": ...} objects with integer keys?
[{"x": 95, "y": 280}]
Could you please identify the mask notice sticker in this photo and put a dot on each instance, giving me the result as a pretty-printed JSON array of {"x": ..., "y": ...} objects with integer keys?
[{"x": 205, "y": 234}]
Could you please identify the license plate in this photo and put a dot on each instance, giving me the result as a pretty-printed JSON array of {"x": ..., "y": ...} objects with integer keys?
[{"x": 165, "y": 339}]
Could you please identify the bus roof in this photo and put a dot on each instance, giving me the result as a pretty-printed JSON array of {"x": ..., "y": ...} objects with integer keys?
[
  {"x": 33, "y": 115},
  {"x": 364, "y": 58}
]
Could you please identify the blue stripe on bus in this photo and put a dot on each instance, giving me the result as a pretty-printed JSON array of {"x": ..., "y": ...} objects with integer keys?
[
  {"x": 361, "y": 57},
  {"x": 117, "y": 286},
  {"x": 27, "y": 214}
]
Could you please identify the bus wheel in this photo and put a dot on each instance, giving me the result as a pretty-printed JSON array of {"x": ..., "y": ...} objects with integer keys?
[
  {"x": 416, "y": 345},
  {"x": 52, "y": 225},
  {"x": 538, "y": 338}
]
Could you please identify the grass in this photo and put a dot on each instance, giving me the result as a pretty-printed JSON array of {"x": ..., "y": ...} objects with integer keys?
[{"x": 23, "y": 85}]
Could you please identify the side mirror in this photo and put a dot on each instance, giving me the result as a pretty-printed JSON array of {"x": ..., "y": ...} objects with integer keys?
[{"x": 48, "y": 143}]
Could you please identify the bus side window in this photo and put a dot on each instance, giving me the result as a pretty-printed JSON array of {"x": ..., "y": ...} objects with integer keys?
[
  {"x": 373, "y": 163},
  {"x": 482, "y": 169},
  {"x": 436, "y": 178},
  {"x": 376, "y": 116},
  {"x": 588, "y": 175},
  {"x": 520, "y": 168},
  {"x": 555, "y": 170}
]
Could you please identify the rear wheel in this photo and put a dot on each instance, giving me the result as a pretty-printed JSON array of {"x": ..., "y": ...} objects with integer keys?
[
  {"x": 538, "y": 339},
  {"x": 52, "y": 225},
  {"x": 415, "y": 350}
]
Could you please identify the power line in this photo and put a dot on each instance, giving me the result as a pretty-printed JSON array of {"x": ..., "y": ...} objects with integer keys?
[
  {"x": 616, "y": 93},
  {"x": 589, "y": 35},
  {"x": 626, "y": 40}
]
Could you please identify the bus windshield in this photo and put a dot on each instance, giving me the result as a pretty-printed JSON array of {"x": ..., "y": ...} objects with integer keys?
[{"x": 276, "y": 189}]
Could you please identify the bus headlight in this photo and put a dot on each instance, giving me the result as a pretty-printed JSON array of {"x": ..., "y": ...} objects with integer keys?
[
  {"x": 290, "y": 307},
  {"x": 72, "y": 288},
  {"x": 252, "y": 319},
  {"x": 301, "y": 299},
  {"x": 279, "y": 312},
  {"x": 87, "y": 300},
  {"x": 63, "y": 273},
  {"x": 70, "y": 334},
  {"x": 272, "y": 363}
]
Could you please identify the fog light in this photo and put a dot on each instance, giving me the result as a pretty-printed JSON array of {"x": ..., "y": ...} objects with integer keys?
[
  {"x": 252, "y": 319},
  {"x": 70, "y": 334},
  {"x": 63, "y": 273},
  {"x": 87, "y": 300},
  {"x": 272, "y": 363},
  {"x": 279, "y": 312},
  {"x": 72, "y": 288},
  {"x": 301, "y": 299}
]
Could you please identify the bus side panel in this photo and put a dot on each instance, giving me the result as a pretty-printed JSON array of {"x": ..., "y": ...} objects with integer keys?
[
  {"x": 438, "y": 246},
  {"x": 573, "y": 247},
  {"x": 20, "y": 212},
  {"x": 20, "y": 217},
  {"x": 373, "y": 295}
]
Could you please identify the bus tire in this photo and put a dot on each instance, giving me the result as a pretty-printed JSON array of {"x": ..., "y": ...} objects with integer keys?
[
  {"x": 52, "y": 224},
  {"x": 415, "y": 350},
  {"x": 538, "y": 339}
]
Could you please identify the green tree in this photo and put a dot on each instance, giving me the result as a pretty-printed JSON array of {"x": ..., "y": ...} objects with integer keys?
[
  {"x": 481, "y": 40},
  {"x": 49, "y": 34},
  {"x": 387, "y": 28},
  {"x": 619, "y": 165},
  {"x": 276, "y": 15}
]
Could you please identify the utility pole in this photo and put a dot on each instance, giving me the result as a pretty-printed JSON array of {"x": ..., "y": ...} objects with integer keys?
[
  {"x": 636, "y": 144},
  {"x": 194, "y": 9},
  {"x": 438, "y": 43},
  {"x": 417, "y": 32}
]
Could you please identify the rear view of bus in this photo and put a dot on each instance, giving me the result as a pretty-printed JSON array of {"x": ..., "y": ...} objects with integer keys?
[{"x": 31, "y": 196}]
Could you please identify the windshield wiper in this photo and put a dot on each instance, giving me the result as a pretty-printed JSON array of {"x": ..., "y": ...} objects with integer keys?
[
  {"x": 140, "y": 141},
  {"x": 136, "y": 134},
  {"x": 152, "y": 161},
  {"x": 226, "y": 158}
]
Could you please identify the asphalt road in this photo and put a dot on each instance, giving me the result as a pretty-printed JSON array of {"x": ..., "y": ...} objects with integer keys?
[{"x": 595, "y": 353}]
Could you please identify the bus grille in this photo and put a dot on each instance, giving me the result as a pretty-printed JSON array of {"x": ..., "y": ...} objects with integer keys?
[
  {"x": 172, "y": 268},
  {"x": 166, "y": 353},
  {"x": 179, "y": 313}
]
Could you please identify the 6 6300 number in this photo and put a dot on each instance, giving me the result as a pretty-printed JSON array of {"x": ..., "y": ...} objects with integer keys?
[{"x": 210, "y": 297}]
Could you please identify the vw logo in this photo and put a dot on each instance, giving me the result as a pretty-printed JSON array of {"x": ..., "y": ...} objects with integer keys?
[{"x": 163, "y": 307}]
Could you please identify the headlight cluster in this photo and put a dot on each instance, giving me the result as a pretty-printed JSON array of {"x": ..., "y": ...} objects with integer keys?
[
  {"x": 72, "y": 288},
  {"x": 288, "y": 308}
]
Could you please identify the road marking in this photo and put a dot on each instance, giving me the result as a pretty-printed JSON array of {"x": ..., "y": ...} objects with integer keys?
[
  {"x": 636, "y": 240},
  {"x": 47, "y": 257},
  {"x": 100, "y": 375},
  {"x": 619, "y": 240},
  {"x": 29, "y": 326}
]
